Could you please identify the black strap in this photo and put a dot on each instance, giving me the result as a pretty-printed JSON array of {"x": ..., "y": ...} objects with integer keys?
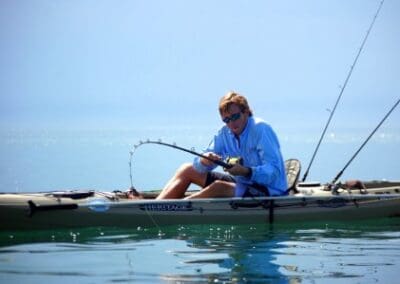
[
  {"x": 266, "y": 204},
  {"x": 271, "y": 212},
  {"x": 264, "y": 190}
]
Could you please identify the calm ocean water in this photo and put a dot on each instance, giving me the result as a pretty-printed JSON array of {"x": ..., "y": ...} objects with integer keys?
[
  {"x": 44, "y": 160},
  {"x": 301, "y": 253},
  {"x": 313, "y": 253}
]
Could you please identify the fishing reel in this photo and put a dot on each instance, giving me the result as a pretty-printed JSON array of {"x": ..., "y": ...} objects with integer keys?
[{"x": 231, "y": 161}]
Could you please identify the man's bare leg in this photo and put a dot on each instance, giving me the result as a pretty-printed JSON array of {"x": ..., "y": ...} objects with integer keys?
[
  {"x": 218, "y": 188},
  {"x": 180, "y": 182}
]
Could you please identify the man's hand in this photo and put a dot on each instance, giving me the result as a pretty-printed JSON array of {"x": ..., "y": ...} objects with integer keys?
[
  {"x": 239, "y": 170},
  {"x": 212, "y": 156}
]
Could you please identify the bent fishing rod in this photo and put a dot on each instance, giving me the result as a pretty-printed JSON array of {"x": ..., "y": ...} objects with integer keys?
[
  {"x": 365, "y": 142},
  {"x": 192, "y": 151},
  {"x": 342, "y": 90}
]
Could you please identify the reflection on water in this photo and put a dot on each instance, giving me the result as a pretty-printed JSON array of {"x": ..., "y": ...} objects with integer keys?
[{"x": 211, "y": 254}]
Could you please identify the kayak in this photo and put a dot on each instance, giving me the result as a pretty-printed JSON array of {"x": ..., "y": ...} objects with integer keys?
[{"x": 307, "y": 202}]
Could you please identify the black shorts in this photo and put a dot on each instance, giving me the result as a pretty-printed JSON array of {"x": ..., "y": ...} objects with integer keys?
[
  {"x": 254, "y": 190},
  {"x": 213, "y": 176}
]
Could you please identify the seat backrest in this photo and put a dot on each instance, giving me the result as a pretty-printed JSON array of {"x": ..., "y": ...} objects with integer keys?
[{"x": 293, "y": 168}]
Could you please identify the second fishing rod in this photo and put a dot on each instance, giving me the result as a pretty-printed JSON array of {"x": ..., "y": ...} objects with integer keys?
[{"x": 341, "y": 91}]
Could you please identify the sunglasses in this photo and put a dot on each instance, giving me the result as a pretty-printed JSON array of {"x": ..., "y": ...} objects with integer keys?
[{"x": 233, "y": 117}]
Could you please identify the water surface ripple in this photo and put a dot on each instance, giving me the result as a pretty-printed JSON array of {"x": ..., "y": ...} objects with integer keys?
[{"x": 344, "y": 253}]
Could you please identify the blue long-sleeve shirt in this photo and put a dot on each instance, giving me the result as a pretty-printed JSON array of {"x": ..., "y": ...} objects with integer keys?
[{"x": 259, "y": 147}]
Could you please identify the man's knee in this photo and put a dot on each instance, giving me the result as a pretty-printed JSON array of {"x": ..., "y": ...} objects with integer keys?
[
  {"x": 188, "y": 173},
  {"x": 185, "y": 169}
]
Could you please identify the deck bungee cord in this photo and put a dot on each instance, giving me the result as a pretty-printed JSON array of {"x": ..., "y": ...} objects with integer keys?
[{"x": 341, "y": 91}]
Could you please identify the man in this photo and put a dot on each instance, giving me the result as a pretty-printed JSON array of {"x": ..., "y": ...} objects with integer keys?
[{"x": 262, "y": 171}]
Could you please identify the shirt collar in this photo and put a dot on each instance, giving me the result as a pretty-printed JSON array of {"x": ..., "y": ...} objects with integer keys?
[{"x": 250, "y": 122}]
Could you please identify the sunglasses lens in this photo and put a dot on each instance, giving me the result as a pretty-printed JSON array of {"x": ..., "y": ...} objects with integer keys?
[
  {"x": 226, "y": 119},
  {"x": 233, "y": 117}
]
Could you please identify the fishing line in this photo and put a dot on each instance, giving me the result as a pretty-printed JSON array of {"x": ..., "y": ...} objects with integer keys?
[
  {"x": 159, "y": 142},
  {"x": 365, "y": 142},
  {"x": 342, "y": 90}
]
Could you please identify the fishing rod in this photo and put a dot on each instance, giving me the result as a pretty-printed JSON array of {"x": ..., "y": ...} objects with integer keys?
[
  {"x": 342, "y": 90},
  {"x": 365, "y": 142},
  {"x": 192, "y": 151}
]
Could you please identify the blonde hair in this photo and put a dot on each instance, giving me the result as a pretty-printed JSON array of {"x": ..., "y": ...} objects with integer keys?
[{"x": 233, "y": 98}]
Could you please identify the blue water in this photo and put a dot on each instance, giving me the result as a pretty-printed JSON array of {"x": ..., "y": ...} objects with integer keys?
[
  {"x": 43, "y": 160},
  {"x": 317, "y": 253}
]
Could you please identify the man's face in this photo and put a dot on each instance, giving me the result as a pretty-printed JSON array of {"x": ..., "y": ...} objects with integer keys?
[{"x": 235, "y": 119}]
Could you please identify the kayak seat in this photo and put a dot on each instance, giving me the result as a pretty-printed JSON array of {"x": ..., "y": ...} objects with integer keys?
[{"x": 293, "y": 168}]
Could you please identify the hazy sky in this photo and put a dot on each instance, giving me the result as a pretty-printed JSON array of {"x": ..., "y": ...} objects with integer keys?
[
  {"x": 155, "y": 67},
  {"x": 131, "y": 63}
]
